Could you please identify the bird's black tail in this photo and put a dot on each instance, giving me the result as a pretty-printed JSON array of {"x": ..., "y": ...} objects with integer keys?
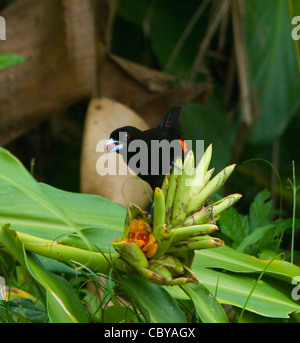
[{"x": 171, "y": 118}]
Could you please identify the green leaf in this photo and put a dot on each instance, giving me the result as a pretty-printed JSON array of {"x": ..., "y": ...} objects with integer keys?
[
  {"x": 100, "y": 239},
  {"x": 117, "y": 314},
  {"x": 156, "y": 302},
  {"x": 86, "y": 211},
  {"x": 8, "y": 60},
  {"x": 208, "y": 308},
  {"x": 234, "y": 289},
  {"x": 232, "y": 260},
  {"x": 62, "y": 302},
  {"x": 260, "y": 211},
  {"x": 234, "y": 225},
  {"x": 9, "y": 239},
  {"x": 258, "y": 234},
  {"x": 32, "y": 312},
  {"x": 263, "y": 236},
  {"x": 273, "y": 66},
  {"x": 15, "y": 174},
  {"x": 253, "y": 231},
  {"x": 44, "y": 211}
]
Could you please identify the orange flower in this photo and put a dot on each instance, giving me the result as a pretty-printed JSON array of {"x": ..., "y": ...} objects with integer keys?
[{"x": 140, "y": 233}]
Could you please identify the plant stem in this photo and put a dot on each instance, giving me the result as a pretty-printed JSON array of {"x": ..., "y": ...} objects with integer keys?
[
  {"x": 190, "y": 231},
  {"x": 254, "y": 286},
  {"x": 294, "y": 188},
  {"x": 97, "y": 261}
]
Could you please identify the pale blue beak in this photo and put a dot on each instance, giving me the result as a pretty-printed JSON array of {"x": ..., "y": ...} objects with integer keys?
[{"x": 113, "y": 146}]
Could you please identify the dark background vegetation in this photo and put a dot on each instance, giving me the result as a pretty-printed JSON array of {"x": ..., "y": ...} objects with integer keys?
[{"x": 232, "y": 48}]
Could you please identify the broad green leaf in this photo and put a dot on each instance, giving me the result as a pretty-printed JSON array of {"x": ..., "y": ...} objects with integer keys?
[
  {"x": 256, "y": 231},
  {"x": 208, "y": 308},
  {"x": 9, "y": 239},
  {"x": 261, "y": 210},
  {"x": 55, "y": 266},
  {"x": 229, "y": 259},
  {"x": 264, "y": 236},
  {"x": 177, "y": 293},
  {"x": 117, "y": 314},
  {"x": 234, "y": 289},
  {"x": 62, "y": 302},
  {"x": 88, "y": 211},
  {"x": 100, "y": 239},
  {"x": 32, "y": 312},
  {"x": 47, "y": 212},
  {"x": 14, "y": 173},
  {"x": 154, "y": 299},
  {"x": 28, "y": 216},
  {"x": 273, "y": 67},
  {"x": 258, "y": 234},
  {"x": 234, "y": 225},
  {"x": 8, "y": 60}
]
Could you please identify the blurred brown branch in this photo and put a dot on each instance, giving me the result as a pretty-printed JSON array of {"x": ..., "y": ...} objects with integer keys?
[
  {"x": 67, "y": 46},
  {"x": 57, "y": 38}
]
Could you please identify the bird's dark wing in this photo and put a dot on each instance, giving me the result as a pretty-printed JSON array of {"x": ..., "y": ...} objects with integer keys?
[{"x": 171, "y": 118}]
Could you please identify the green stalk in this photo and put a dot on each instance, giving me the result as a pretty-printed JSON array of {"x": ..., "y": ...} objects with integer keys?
[
  {"x": 254, "y": 286},
  {"x": 210, "y": 189},
  {"x": 172, "y": 191},
  {"x": 174, "y": 265},
  {"x": 185, "y": 232},
  {"x": 199, "y": 179},
  {"x": 159, "y": 208},
  {"x": 96, "y": 261},
  {"x": 160, "y": 269},
  {"x": 294, "y": 189},
  {"x": 183, "y": 192},
  {"x": 198, "y": 189},
  {"x": 165, "y": 185},
  {"x": 199, "y": 217},
  {"x": 131, "y": 253},
  {"x": 224, "y": 204},
  {"x": 196, "y": 243},
  {"x": 163, "y": 237},
  {"x": 206, "y": 214}
]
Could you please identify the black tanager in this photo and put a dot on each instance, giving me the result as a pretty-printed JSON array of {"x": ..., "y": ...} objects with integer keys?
[{"x": 155, "y": 159}]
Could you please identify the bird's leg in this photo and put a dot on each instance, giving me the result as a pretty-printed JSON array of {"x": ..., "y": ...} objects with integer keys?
[{"x": 173, "y": 164}]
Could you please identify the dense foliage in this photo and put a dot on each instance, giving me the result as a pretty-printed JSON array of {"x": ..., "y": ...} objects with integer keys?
[{"x": 56, "y": 256}]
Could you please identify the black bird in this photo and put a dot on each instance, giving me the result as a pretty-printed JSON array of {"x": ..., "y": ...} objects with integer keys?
[{"x": 148, "y": 153}]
